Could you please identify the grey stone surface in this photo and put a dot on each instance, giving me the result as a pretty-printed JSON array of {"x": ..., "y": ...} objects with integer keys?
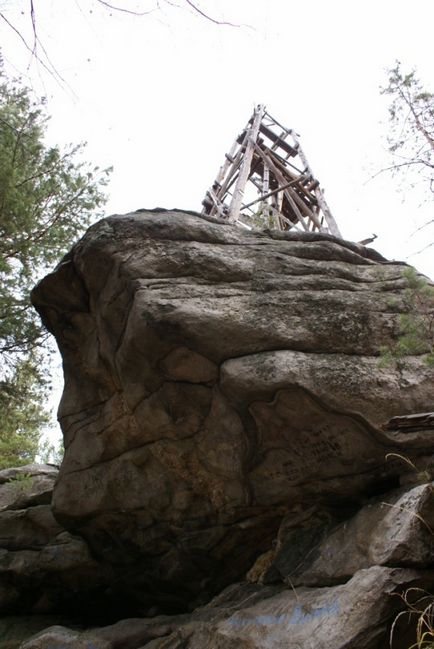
[
  {"x": 15, "y": 629},
  {"x": 222, "y": 420},
  {"x": 43, "y": 568},
  {"x": 215, "y": 380},
  {"x": 356, "y": 614},
  {"x": 312, "y": 548},
  {"x": 27, "y": 485}
]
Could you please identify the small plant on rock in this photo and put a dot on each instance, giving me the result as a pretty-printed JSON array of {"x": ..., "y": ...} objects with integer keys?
[
  {"x": 416, "y": 325},
  {"x": 21, "y": 482}
]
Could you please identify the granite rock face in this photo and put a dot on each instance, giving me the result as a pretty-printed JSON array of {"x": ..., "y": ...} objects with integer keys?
[
  {"x": 222, "y": 416},
  {"x": 354, "y": 615},
  {"x": 43, "y": 568},
  {"x": 227, "y": 482}
]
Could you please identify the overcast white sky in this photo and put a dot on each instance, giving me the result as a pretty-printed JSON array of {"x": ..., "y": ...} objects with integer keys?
[{"x": 162, "y": 97}]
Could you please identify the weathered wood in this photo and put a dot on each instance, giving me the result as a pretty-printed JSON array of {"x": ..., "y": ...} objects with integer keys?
[
  {"x": 235, "y": 205},
  {"x": 268, "y": 157},
  {"x": 228, "y": 169},
  {"x": 275, "y": 191},
  {"x": 272, "y": 119},
  {"x": 217, "y": 205},
  {"x": 307, "y": 210},
  {"x": 231, "y": 176},
  {"x": 281, "y": 179},
  {"x": 410, "y": 422},
  {"x": 278, "y": 141},
  {"x": 227, "y": 163},
  {"x": 265, "y": 209},
  {"x": 332, "y": 225}
]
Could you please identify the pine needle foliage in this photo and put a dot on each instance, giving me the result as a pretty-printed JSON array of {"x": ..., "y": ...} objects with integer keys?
[
  {"x": 416, "y": 324},
  {"x": 47, "y": 198}
]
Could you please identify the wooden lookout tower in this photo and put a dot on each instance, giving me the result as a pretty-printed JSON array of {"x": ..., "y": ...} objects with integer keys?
[{"x": 266, "y": 181}]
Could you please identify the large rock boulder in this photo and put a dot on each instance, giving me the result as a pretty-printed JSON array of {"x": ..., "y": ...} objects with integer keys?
[{"x": 220, "y": 385}]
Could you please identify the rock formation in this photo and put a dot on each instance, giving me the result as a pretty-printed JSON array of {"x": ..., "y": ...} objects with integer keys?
[
  {"x": 45, "y": 572},
  {"x": 222, "y": 420}
]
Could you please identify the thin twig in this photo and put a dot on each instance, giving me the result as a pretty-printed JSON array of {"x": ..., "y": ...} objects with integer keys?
[
  {"x": 53, "y": 72},
  {"x": 204, "y": 15},
  {"x": 422, "y": 227},
  {"x": 123, "y": 10},
  {"x": 418, "y": 252},
  {"x": 33, "y": 18}
]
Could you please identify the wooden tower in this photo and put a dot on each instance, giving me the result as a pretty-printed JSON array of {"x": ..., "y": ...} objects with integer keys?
[{"x": 266, "y": 181}]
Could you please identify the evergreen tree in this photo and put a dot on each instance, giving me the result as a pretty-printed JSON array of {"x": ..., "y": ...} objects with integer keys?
[{"x": 47, "y": 197}]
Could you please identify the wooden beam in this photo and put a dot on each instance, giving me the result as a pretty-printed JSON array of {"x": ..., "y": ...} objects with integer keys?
[
  {"x": 331, "y": 223},
  {"x": 307, "y": 210},
  {"x": 275, "y": 191},
  {"x": 279, "y": 142},
  {"x": 235, "y": 206},
  {"x": 227, "y": 163},
  {"x": 281, "y": 179}
]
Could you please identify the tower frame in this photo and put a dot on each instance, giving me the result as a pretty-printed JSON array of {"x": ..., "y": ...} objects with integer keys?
[{"x": 266, "y": 181}]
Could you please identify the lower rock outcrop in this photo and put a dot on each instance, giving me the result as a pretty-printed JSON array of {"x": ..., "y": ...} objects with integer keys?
[
  {"x": 222, "y": 419},
  {"x": 355, "y": 614},
  {"x": 43, "y": 568},
  {"x": 324, "y": 586}
]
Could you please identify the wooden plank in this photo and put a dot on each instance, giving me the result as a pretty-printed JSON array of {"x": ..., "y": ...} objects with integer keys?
[
  {"x": 278, "y": 141},
  {"x": 287, "y": 221},
  {"x": 234, "y": 167},
  {"x": 287, "y": 130},
  {"x": 306, "y": 192},
  {"x": 265, "y": 210},
  {"x": 284, "y": 164},
  {"x": 227, "y": 163},
  {"x": 280, "y": 177},
  {"x": 331, "y": 223},
  {"x": 274, "y": 191},
  {"x": 312, "y": 185},
  {"x": 235, "y": 205},
  {"x": 226, "y": 174},
  {"x": 217, "y": 205},
  {"x": 410, "y": 422},
  {"x": 309, "y": 212},
  {"x": 278, "y": 205},
  {"x": 230, "y": 177}
]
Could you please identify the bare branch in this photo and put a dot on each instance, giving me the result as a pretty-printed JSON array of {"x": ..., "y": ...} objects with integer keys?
[
  {"x": 37, "y": 46},
  {"x": 17, "y": 32},
  {"x": 126, "y": 11},
  {"x": 51, "y": 71},
  {"x": 429, "y": 245},
  {"x": 421, "y": 227},
  {"x": 33, "y": 19},
  {"x": 204, "y": 15},
  {"x": 394, "y": 167},
  {"x": 418, "y": 123}
]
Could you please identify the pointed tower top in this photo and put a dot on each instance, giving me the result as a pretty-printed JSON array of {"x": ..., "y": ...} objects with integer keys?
[{"x": 266, "y": 181}]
